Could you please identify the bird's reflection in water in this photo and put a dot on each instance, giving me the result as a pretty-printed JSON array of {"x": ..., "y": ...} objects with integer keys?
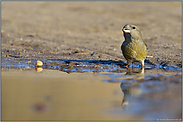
[
  {"x": 135, "y": 71},
  {"x": 128, "y": 88}
]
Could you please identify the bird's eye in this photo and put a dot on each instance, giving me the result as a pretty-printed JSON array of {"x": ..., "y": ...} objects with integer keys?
[{"x": 133, "y": 27}]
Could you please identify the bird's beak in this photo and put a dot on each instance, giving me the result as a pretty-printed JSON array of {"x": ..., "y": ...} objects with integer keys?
[{"x": 126, "y": 30}]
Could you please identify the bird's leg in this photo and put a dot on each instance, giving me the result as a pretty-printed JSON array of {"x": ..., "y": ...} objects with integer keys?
[
  {"x": 128, "y": 64},
  {"x": 132, "y": 65},
  {"x": 142, "y": 64},
  {"x": 142, "y": 70}
]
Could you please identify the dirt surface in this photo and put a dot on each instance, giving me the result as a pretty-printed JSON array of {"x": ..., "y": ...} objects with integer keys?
[{"x": 89, "y": 30}]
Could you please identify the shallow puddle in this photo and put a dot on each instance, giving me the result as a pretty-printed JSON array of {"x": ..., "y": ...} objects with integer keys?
[{"x": 89, "y": 90}]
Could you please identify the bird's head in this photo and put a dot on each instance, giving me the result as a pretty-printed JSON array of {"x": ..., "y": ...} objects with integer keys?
[{"x": 131, "y": 32}]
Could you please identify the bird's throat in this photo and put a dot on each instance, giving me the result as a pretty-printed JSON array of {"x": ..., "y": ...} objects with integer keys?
[{"x": 128, "y": 37}]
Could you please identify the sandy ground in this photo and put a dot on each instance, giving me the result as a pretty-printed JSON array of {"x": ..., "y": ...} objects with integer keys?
[{"x": 89, "y": 30}]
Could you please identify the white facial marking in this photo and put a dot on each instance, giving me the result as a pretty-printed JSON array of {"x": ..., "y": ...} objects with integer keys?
[{"x": 127, "y": 31}]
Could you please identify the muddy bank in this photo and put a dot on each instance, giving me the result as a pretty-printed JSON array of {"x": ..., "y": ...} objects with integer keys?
[{"x": 81, "y": 66}]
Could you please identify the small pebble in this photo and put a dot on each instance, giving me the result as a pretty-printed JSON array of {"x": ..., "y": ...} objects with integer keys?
[
  {"x": 2, "y": 32},
  {"x": 39, "y": 63}
]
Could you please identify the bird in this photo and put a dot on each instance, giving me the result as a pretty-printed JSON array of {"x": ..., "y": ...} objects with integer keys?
[{"x": 134, "y": 49}]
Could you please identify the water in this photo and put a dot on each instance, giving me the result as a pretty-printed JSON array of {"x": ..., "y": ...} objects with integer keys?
[{"x": 89, "y": 90}]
